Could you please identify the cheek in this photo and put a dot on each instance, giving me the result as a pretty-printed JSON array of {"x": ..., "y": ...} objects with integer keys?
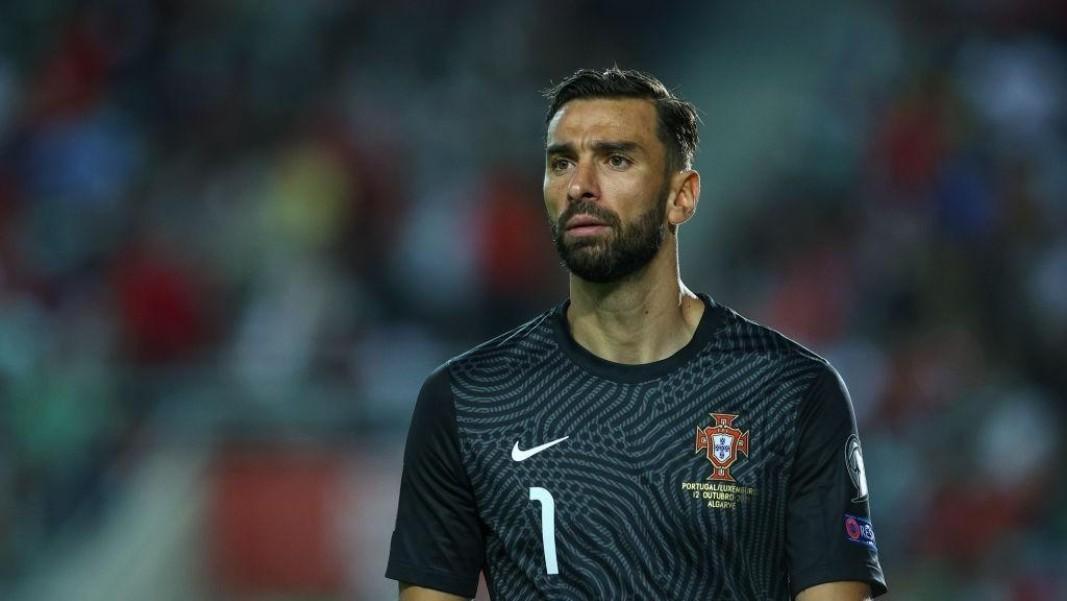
[
  {"x": 622, "y": 195},
  {"x": 639, "y": 193},
  {"x": 553, "y": 203}
]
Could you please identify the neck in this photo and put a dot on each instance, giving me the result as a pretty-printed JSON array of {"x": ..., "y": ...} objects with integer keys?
[{"x": 646, "y": 317}]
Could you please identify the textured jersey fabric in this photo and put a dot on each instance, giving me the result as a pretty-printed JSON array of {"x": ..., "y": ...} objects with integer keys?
[{"x": 730, "y": 470}]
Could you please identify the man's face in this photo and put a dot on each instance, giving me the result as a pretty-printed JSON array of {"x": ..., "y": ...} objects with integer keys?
[{"x": 606, "y": 186}]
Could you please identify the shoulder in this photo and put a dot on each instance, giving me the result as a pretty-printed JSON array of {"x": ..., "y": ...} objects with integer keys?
[
  {"x": 517, "y": 348},
  {"x": 783, "y": 364},
  {"x": 821, "y": 394},
  {"x": 742, "y": 336}
]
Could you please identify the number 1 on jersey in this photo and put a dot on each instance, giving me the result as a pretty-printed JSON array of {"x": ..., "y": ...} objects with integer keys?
[{"x": 548, "y": 526}]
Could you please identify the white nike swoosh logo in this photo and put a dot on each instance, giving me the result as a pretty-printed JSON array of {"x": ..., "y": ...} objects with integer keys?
[{"x": 518, "y": 454}]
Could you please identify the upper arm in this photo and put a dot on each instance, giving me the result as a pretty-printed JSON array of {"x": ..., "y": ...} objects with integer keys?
[
  {"x": 836, "y": 591},
  {"x": 829, "y": 535},
  {"x": 438, "y": 540},
  {"x": 409, "y": 592}
]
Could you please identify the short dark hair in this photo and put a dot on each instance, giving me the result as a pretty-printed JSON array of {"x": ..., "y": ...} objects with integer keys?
[{"x": 677, "y": 118}]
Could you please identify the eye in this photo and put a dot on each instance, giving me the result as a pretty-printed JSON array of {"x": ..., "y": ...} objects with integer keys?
[
  {"x": 617, "y": 161},
  {"x": 559, "y": 164}
]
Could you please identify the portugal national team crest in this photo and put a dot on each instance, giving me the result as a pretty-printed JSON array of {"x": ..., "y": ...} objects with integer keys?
[{"x": 722, "y": 442}]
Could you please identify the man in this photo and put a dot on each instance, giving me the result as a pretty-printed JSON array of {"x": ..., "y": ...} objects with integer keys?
[{"x": 639, "y": 441}]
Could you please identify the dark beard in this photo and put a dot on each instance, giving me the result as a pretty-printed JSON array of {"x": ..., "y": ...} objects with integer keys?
[{"x": 628, "y": 249}]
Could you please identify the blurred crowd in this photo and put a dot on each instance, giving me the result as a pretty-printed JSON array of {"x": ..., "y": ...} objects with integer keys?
[{"x": 221, "y": 223}]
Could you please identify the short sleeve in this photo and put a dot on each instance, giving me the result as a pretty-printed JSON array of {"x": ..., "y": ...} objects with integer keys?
[
  {"x": 438, "y": 541},
  {"x": 830, "y": 536}
]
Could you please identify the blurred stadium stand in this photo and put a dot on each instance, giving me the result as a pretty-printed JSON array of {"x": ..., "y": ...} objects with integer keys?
[{"x": 234, "y": 240}]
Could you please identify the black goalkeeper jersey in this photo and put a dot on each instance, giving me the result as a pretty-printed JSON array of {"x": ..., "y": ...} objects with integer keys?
[{"x": 730, "y": 470}]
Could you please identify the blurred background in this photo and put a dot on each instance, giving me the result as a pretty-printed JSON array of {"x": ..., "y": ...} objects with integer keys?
[{"x": 234, "y": 240}]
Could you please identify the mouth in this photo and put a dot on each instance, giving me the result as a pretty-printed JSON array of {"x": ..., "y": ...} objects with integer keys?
[{"x": 585, "y": 225}]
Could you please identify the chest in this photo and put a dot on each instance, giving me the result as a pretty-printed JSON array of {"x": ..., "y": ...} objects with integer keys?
[{"x": 688, "y": 468}]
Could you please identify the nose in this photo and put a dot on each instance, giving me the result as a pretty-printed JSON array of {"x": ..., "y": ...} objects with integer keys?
[{"x": 583, "y": 184}]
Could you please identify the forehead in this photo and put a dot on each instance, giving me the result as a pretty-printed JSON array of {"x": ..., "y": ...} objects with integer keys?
[{"x": 587, "y": 119}]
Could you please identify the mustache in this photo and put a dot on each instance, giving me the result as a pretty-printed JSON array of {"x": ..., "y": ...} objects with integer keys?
[{"x": 591, "y": 209}]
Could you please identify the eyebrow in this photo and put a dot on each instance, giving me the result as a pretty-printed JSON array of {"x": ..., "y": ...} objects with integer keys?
[{"x": 601, "y": 147}]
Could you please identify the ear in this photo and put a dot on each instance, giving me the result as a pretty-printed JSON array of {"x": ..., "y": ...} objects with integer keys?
[{"x": 682, "y": 204}]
